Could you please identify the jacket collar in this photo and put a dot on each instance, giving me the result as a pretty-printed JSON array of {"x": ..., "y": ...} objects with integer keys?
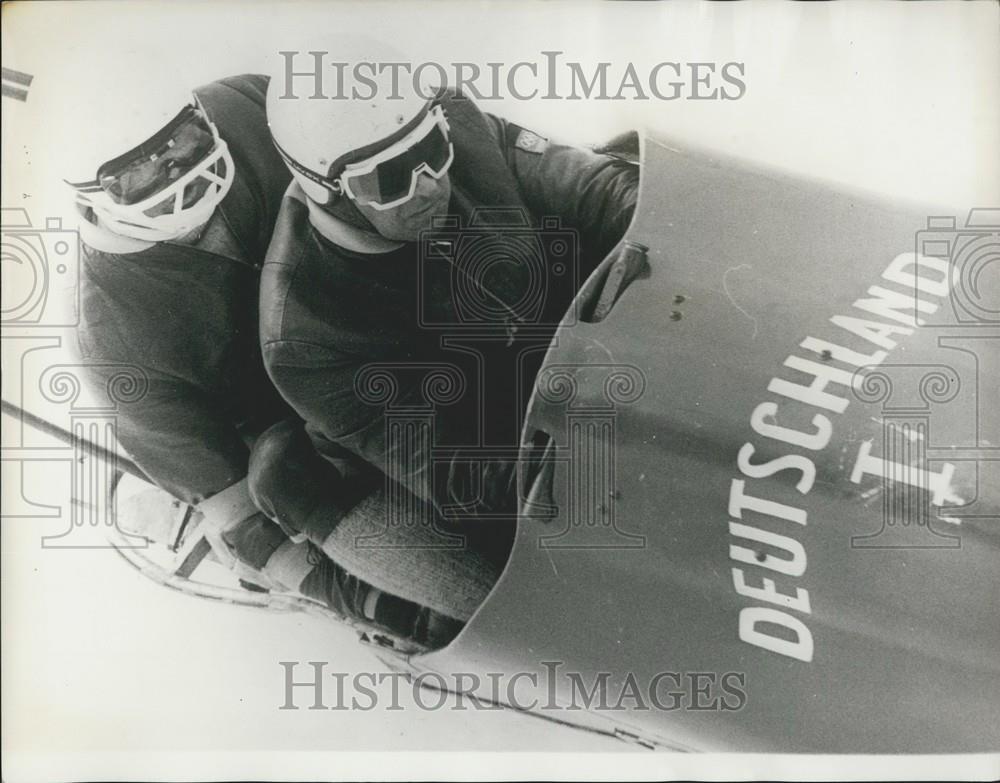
[{"x": 340, "y": 233}]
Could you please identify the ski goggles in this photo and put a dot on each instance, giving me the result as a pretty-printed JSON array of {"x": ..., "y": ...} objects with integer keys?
[
  {"x": 388, "y": 179},
  {"x": 161, "y": 160},
  {"x": 165, "y": 186}
]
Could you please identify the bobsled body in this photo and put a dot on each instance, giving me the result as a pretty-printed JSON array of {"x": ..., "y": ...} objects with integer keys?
[{"x": 764, "y": 449}]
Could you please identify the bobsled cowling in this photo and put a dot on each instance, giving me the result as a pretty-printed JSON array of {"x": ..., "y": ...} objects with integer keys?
[{"x": 762, "y": 443}]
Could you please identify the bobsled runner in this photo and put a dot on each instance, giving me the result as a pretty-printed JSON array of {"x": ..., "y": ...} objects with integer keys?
[{"x": 762, "y": 445}]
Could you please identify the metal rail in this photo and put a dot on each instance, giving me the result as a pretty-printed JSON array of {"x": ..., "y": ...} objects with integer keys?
[{"x": 47, "y": 427}]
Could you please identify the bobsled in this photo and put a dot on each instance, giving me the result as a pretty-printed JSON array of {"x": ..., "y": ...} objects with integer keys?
[
  {"x": 762, "y": 451},
  {"x": 759, "y": 483}
]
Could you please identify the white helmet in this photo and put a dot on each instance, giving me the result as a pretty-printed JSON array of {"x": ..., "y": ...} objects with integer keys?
[
  {"x": 129, "y": 130},
  {"x": 319, "y": 137}
]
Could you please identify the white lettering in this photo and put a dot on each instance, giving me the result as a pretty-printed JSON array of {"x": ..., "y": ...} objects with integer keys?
[
  {"x": 793, "y": 566},
  {"x": 769, "y": 592},
  {"x": 888, "y": 304},
  {"x": 938, "y": 484},
  {"x": 813, "y": 394},
  {"x": 898, "y": 272},
  {"x": 814, "y": 441},
  {"x": 769, "y": 468},
  {"x": 740, "y": 501},
  {"x": 872, "y": 331},
  {"x": 801, "y": 648}
]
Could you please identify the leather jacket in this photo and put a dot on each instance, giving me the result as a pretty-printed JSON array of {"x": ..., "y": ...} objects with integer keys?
[
  {"x": 359, "y": 344},
  {"x": 186, "y": 316}
]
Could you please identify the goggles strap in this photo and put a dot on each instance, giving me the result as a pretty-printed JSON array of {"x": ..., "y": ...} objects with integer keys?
[
  {"x": 331, "y": 185},
  {"x": 371, "y": 150}
]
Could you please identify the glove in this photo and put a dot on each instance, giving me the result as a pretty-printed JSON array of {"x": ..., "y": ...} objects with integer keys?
[{"x": 296, "y": 487}]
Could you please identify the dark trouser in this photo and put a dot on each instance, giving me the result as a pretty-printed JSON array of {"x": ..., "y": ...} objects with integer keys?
[{"x": 388, "y": 540}]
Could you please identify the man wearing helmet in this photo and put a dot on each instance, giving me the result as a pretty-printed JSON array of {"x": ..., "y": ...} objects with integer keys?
[
  {"x": 177, "y": 194},
  {"x": 347, "y": 285}
]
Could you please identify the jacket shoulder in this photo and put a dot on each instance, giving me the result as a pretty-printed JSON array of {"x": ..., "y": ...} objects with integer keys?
[
  {"x": 248, "y": 87},
  {"x": 237, "y": 107},
  {"x": 464, "y": 114}
]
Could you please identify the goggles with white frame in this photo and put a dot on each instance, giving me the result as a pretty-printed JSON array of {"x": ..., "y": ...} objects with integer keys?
[{"x": 389, "y": 178}]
